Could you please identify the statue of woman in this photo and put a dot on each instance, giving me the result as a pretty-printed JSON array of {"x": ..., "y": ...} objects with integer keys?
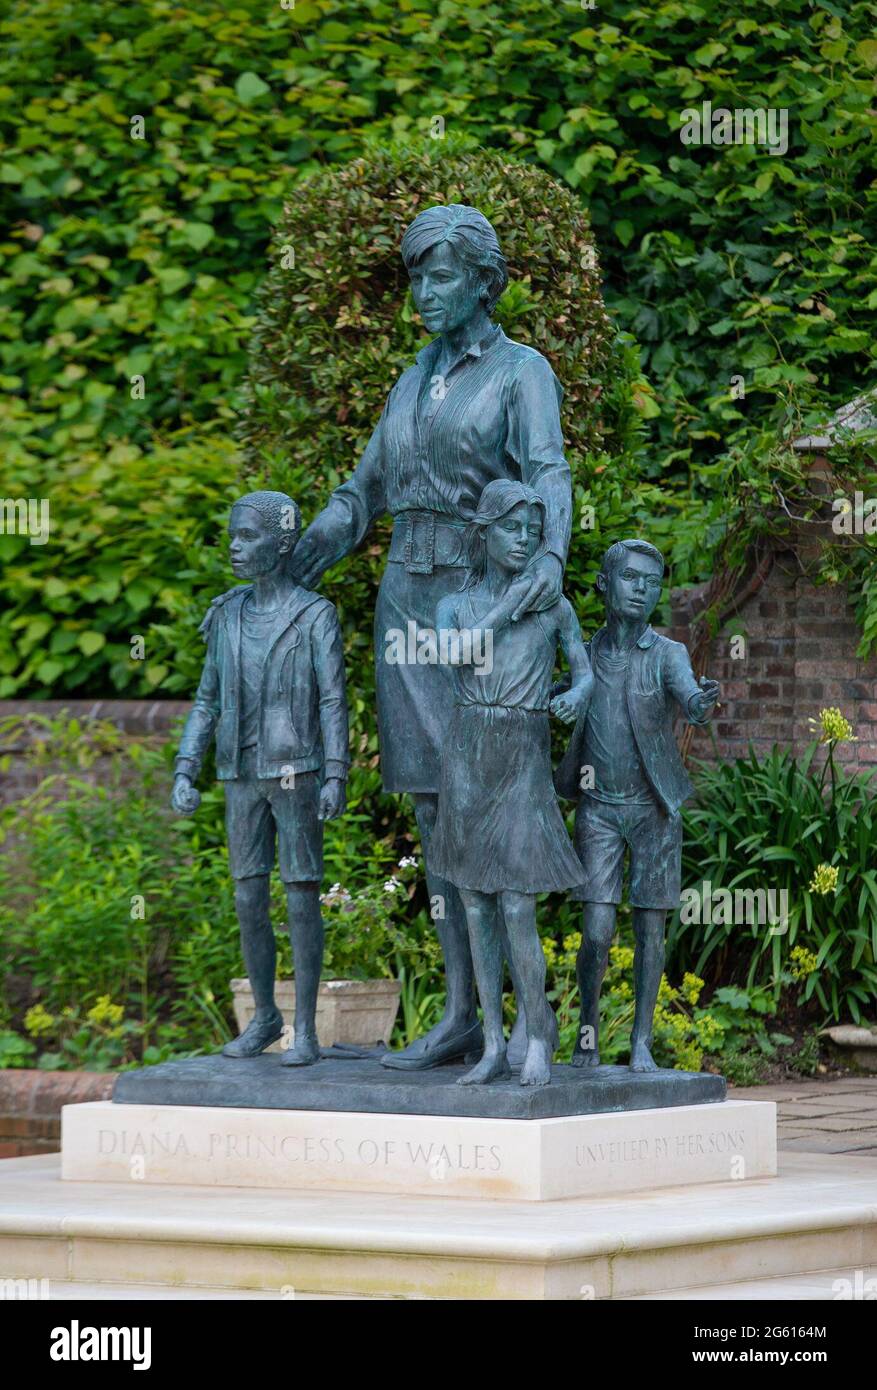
[
  {"x": 474, "y": 407},
  {"x": 499, "y": 836}
]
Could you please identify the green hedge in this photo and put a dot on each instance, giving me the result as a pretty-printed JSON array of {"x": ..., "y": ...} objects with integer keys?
[{"x": 127, "y": 257}]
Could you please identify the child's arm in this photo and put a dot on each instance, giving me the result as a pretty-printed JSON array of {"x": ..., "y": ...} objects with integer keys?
[
  {"x": 696, "y": 699},
  {"x": 197, "y": 733},
  {"x": 574, "y": 701},
  {"x": 328, "y": 657}
]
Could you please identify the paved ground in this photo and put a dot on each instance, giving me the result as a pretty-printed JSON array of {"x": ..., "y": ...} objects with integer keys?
[{"x": 828, "y": 1117}]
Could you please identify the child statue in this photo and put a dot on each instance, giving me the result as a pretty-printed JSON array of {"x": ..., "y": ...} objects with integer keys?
[
  {"x": 272, "y": 692},
  {"x": 624, "y": 769},
  {"x": 499, "y": 835}
]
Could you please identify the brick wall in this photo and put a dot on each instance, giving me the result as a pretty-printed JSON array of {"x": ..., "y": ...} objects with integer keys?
[
  {"x": 141, "y": 719},
  {"x": 799, "y": 656},
  {"x": 30, "y": 1106}
]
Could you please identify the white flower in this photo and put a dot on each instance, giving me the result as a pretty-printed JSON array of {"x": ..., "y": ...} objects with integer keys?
[
  {"x": 335, "y": 894},
  {"x": 408, "y": 862},
  {"x": 391, "y": 885}
]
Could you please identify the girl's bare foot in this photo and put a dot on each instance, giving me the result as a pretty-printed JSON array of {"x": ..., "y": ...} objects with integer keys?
[
  {"x": 492, "y": 1067},
  {"x": 536, "y": 1070}
]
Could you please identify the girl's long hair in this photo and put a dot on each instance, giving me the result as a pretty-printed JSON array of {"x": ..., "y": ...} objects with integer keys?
[{"x": 495, "y": 502}]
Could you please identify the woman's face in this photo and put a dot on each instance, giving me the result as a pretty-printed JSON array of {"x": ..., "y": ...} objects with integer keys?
[
  {"x": 446, "y": 292},
  {"x": 513, "y": 539}
]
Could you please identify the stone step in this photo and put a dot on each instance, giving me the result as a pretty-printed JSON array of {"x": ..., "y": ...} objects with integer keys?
[
  {"x": 817, "y": 1217},
  {"x": 831, "y": 1285}
]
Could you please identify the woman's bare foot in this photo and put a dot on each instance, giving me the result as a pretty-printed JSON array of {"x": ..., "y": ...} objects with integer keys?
[
  {"x": 492, "y": 1067},
  {"x": 536, "y": 1070},
  {"x": 641, "y": 1059}
]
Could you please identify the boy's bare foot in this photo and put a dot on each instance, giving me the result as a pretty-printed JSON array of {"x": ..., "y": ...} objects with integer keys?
[
  {"x": 492, "y": 1067},
  {"x": 580, "y": 1058},
  {"x": 583, "y": 1056},
  {"x": 641, "y": 1059},
  {"x": 536, "y": 1070}
]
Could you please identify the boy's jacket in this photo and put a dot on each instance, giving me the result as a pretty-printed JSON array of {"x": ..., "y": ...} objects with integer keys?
[
  {"x": 659, "y": 673},
  {"x": 303, "y": 710}
]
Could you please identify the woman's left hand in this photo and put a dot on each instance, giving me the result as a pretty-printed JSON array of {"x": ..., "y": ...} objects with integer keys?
[{"x": 545, "y": 577}]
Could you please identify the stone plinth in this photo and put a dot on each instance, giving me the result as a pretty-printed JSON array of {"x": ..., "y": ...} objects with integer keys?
[{"x": 453, "y": 1156}]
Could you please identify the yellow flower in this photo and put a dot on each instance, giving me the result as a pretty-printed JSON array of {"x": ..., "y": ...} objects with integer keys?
[
  {"x": 708, "y": 1029},
  {"x": 621, "y": 957},
  {"x": 38, "y": 1021},
  {"x": 666, "y": 992},
  {"x": 804, "y": 962},
  {"x": 835, "y": 728},
  {"x": 688, "y": 1058},
  {"x": 824, "y": 879},
  {"x": 572, "y": 942},
  {"x": 106, "y": 1012},
  {"x": 691, "y": 987}
]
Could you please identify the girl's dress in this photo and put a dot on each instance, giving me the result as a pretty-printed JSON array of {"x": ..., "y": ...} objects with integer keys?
[{"x": 499, "y": 826}]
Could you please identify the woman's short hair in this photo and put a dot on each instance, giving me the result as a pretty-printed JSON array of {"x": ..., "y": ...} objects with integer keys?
[
  {"x": 496, "y": 501},
  {"x": 472, "y": 237}
]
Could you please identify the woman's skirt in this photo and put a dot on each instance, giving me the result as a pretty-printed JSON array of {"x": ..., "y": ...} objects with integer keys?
[
  {"x": 414, "y": 699},
  {"x": 499, "y": 826}
]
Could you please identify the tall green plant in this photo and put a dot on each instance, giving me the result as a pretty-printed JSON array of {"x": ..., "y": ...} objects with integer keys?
[{"x": 786, "y": 826}]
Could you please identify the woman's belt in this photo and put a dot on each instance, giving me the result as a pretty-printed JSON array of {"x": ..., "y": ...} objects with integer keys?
[
  {"x": 465, "y": 703},
  {"x": 422, "y": 540}
]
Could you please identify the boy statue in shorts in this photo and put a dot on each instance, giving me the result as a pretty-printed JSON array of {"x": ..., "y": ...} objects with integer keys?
[
  {"x": 272, "y": 693},
  {"x": 624, "y": 769}
]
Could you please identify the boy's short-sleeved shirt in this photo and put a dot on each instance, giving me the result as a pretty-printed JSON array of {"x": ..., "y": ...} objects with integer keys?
[{"x": 609, "y": 743}]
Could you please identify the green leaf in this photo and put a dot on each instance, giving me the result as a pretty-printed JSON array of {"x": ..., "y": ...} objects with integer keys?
[
  {"x": 91, "y": 642},
  {"x": 249, "y": 87},
  {"x": 198, "y": 234}
]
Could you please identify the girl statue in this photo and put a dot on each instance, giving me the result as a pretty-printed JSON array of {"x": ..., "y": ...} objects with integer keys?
[{"x": 499, "y": 835}]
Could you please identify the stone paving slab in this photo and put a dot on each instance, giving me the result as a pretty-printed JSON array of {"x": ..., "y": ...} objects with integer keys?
[{"x": 832, "y": 1116}]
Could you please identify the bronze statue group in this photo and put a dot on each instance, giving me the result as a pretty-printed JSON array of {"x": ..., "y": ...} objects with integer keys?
[{"x": 468, "y": 459}]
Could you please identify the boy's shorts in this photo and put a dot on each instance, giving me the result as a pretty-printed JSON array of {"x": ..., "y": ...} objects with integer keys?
[
  {"x": 259, "y": 810},
  {"x": 603, "y": 830}
]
